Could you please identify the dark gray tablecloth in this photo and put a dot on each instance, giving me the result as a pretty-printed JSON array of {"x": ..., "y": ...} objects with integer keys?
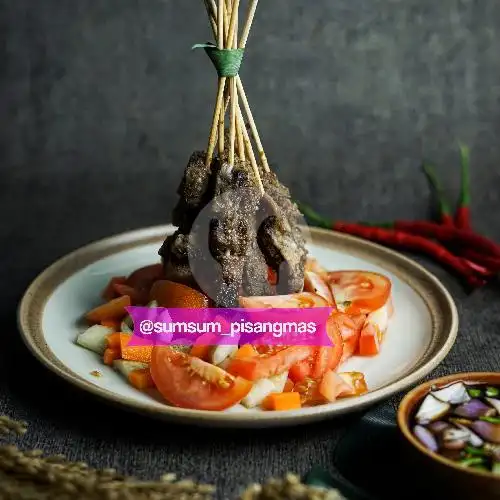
[{"x": 102, "y": 104}]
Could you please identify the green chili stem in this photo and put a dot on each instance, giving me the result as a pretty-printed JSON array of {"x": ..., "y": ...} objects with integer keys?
[
  {"x": 434, "y": 182},
  {"x": 313, "y": 217},
  {"x": 466, "y": 462},
  {"x": 492, "y": 420}
]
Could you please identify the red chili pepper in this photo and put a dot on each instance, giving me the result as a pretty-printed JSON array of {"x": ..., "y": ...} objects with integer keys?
[
  {"x": 411, "y": 242},
  {"x": 444, "y": 208},
  {"x": 489, "y": 262},
  {"x": 462, "y": 215},
  {"x": 445, "y": 212},
  {"x": 402, "y": 239},
  {"x": 446, "y": 234}
]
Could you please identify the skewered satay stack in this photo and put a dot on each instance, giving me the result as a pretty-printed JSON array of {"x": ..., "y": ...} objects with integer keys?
[{"x": 236, "y": 222}]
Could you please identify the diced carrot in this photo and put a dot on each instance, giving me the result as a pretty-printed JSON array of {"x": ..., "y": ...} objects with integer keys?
[
  {"x": 289, "y": 385},
  {"x": 282, "y": 401},
  {"x": 109, "y": 292},
  {"x": 201, "y": 351},
  {"x": 175, "y": 295},
  {"x": 110, "y": 355},
  {"x": 114, "y": 340},
  {"x": 135, "y": 353},
  {"x": 369, "y": 341},
  {"x": 246, "y": 351},
  {"x": 141, "y": 379},
  {"x": 138, "y": 297},
  {"x": 112, "y": 310},
  {"x": 111, "y": 323}
]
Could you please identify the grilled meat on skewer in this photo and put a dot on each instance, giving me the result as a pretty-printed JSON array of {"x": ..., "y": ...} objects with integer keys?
[{"x": 228, "y": 234}]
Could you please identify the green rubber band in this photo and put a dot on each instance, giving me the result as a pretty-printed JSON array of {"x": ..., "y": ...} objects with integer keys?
[{"x": 227, "y": 62}]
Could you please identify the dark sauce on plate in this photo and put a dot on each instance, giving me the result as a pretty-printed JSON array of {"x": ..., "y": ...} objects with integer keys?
[{"x": 461, "y": 422}]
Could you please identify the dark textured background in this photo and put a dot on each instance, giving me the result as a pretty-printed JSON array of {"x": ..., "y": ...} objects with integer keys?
[{"x": 102, "y": 103}]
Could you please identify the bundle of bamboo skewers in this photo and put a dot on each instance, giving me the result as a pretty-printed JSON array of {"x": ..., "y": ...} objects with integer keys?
[{"x": 224, "y": 20}]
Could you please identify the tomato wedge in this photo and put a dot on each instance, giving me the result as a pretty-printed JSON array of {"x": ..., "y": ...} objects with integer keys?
[
  {"x": 190, "y": 382},
  {"x": 322, "y": 359},
  {"x": 349, "y": 328},
  {"x": 314, "y": 283},
  {"x": 143, "y": 278},
  {"x": 268, "y": 365},
  {"x": 332, "y": 386},
  {"x": 290, "y": 301},
  {"x": 358, "y": 292}
]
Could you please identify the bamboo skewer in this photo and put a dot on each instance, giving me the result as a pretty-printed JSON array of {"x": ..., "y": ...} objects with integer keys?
[
  {"x": 224, "y": 22},
  {"x": 248, "y": 24},
  {"x": 221, "y": 18},
  {"x": 241, "y": 91},
  {"x": 231, "y": 42},
  {"x": 220, "y": 93}
]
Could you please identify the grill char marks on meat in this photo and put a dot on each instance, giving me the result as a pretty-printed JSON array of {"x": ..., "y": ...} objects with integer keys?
[
  {"x": 232, "y": 228},
  {"x": 280, "y": 236},
  {"x": 246, "y": 233},
  {"x": 193, "y": 192}
]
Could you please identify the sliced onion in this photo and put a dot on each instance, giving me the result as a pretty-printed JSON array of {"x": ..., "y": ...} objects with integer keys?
[
  {"x": 221, "y": 352},
  {"x": 425, "y": 437},
  {"x": 495, "y": 403},
  {"x": 431, "y": 409},
  {"x": 454, "y": 394},
  {"x": 488, "y": 431},
  {"x": 438, "y": 426},
  {"x": 455, "y": 439},
  {"x": 474, "y": 408},
  {"x": 474, "y": 439},
  {"x": 461, "y": 420}
]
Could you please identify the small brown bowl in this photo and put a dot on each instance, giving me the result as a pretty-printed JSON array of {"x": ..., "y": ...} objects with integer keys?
[{"x": 446, "y": 475}]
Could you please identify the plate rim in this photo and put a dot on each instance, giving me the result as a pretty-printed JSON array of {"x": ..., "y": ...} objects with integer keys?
[{"x": 237, "y": 419}]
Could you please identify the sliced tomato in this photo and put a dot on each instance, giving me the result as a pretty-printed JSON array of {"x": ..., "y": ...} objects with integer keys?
[
  {"x": 268, "y": 365},
  {"x": 323, "y": 358},
  {"x": 314, "y": 283},
  {"x": 290, "y": 301},
  {"x": 138, "y": 297},
  {"x": 369, "y": 340},
  {"x": 190, "y": 382},
  {"x": 332, "y": 386},
  {"x": 390, "y": 307},
  {"x": 357, "y": 381},
  {"x": 301, "y": 370},
  {"x": 359, "y": 292},
  {"x": 268, "y": 349},
  {"x": 349, "y": 328},
  {"x": 109, "y": 293},
  {"x": 144, "y": 277},
  {"x": 272, "y": 276},
  {"x": 309, "y": 392}
]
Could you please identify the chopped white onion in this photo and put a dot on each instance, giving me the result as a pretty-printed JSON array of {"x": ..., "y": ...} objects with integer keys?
[
  {"x": 431, "y": 409},
  {"x": 454, "y": 394}
]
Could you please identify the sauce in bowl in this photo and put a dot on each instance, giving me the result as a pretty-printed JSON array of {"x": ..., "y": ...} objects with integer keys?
[{"x": 461, "y": 422}]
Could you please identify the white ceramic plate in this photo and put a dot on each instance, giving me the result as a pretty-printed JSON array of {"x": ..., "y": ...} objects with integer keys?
[{"x": 421, "y": 332}]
